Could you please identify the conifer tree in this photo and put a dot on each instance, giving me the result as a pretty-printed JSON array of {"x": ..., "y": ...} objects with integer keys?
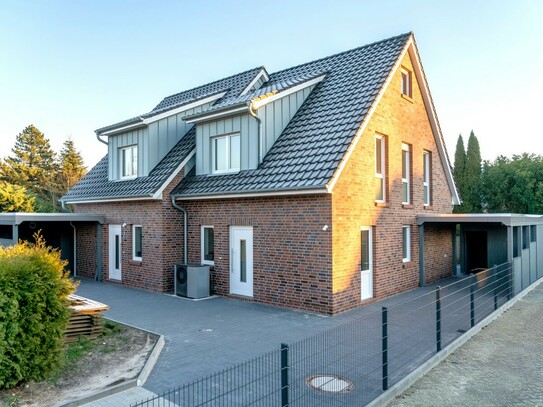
[
  {"x": 460, "y": 170},
  {"x": 473, "y": 171},
  {"x": 71, "y": 166},
  {"x": 14, "y": 198}
]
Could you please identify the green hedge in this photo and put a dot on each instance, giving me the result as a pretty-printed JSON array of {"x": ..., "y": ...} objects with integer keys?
[{"x": 33, "y": 311}]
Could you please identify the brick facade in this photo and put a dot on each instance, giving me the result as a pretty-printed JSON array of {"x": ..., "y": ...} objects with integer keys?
[{"x": 297, "y": 261}]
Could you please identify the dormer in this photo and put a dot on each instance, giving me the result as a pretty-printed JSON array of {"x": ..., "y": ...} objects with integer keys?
[
  {"x": 235, "y": 134},
  {"x": 137, "y": 145},
  {"x": 260, "y": 79}
]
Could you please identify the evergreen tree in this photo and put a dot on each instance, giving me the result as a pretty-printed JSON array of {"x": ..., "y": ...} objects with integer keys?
[
  {"x": 14, "y": 198},
  {"x": 460, "y": 170},
  {"x": 472, "y": 189},
  {"x": 71, "y": 166}
]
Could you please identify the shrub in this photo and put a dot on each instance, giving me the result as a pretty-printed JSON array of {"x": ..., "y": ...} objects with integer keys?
[{"x": 33, "y": 311}]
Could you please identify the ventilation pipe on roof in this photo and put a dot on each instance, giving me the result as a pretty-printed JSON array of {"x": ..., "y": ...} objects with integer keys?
[
  {"x": 252, "y": 112},
  {"x": 185, "y": 232},
  {"x": 99, "y": 139}
]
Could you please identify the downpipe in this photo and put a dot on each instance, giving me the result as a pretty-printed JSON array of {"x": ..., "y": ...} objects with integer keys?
[{"x": 185, "y": 225}]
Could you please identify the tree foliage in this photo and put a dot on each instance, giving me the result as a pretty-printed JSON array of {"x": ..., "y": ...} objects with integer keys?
[
  {"x": 14, "y": 198},
  {"x": 459, "y": 171},
  {"x": 467, "y": 175},
  {"x": 33, "y": 311},
  {"x": 35, "y": 166},
  {"x": 514, "y": 185}
]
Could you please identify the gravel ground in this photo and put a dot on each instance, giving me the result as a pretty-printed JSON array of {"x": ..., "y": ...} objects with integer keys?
[{"x": 500, "y": 366}]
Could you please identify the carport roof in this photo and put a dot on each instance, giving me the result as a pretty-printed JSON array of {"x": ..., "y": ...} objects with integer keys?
[
  {"x": 16, "y": 218},
  {"x": 507, "y": 219}
]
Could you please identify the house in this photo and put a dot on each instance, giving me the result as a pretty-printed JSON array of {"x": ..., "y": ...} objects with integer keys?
[{"x": 299, "y": 188}]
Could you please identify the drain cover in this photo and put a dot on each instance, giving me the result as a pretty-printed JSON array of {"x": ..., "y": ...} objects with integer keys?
[{"x": 330, "y": 383}]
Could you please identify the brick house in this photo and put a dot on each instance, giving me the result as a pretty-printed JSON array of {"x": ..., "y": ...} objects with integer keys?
[{"x": 299, "y": 188}]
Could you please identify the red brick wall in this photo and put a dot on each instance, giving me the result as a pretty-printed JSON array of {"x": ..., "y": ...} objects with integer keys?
[
  {"x": 291, "y": 252},
  {"x": 438, "y": 251},
  {"x": 400, "y": 120},
  {"x": 87, "y": 243}
]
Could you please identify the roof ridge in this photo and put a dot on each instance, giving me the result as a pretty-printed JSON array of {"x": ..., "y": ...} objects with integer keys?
[
  {"x": 407, "y": 35},
  {"x": 209, "y": 83}
]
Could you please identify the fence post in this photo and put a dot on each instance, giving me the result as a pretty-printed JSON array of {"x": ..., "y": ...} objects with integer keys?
[
  {"x": 438, "y": 318},
  {"x": 510, "y": 282},
  {"x": 495, "y": 287},
  {"x": 284, "y": 375},
  {"x": 385, "y": 346},
  {"x": 472, "y": 300}
]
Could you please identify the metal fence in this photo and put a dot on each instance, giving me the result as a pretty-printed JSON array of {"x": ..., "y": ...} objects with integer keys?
[{"x": 352, "y": 364}]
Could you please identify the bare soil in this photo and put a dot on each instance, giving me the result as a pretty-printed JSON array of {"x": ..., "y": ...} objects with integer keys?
[{"x": 116, "y": 357}]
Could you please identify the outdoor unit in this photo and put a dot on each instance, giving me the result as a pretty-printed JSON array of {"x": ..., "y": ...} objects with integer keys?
[{"x": 191, "y": 280}]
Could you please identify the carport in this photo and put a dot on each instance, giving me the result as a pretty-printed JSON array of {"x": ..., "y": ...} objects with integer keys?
[
  {"x": 58, "y": 229},
  {"x": 485, "y": 240}
]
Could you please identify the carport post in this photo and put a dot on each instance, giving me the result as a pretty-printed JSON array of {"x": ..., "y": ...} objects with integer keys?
[
  {"x": 99, "y": 252},
  {"x": 15, "y": 234},
  {"x": 421, "y": 255}
]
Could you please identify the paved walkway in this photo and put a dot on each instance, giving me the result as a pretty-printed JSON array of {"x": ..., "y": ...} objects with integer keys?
[{"x": 500, "y": 366}]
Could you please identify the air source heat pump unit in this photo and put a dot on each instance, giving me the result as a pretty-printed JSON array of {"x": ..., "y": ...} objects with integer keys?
[{"x": 191, "y": 280}]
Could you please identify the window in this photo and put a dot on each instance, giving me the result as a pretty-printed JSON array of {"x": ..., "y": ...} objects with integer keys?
[
  {"x": 406, "y": 174},
  {"x": 525, "y": 237},
  {"x": 226, "y": 153},
  {"x": 427, "y": 172},
  {"x": 208, "y": 245},
  {"x": 380, "y": 168},
  {"x": 533, "y": 233},
  {"x": 136, "y": 242},
  {"x": 129, "y": 162},
  {"x": 406, "y": 83},
  {"x": 516, "y": 241},
  {"x": 365, "y": 264},
  {"x": 406, "y": 243}
]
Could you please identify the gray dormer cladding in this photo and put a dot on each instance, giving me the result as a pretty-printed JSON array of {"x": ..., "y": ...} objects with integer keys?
[{"x": 154, "y": 142}]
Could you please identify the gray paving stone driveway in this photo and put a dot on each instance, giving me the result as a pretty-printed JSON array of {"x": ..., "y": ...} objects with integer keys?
[
  {"x": 500, "y": 366},
  {"x": 202, "y": 337}
]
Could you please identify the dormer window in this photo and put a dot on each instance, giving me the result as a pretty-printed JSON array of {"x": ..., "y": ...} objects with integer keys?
[
  {"x": 406, "y": 83},
  {"x": 129, "y": 162},
  {"x": 226, "y": 153}
]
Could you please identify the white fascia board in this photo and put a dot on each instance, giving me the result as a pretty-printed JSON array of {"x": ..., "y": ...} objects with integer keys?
[
  {"x": 281, "y": 94},
  {"x": 218, "y": 115},
  {"x": 291, "y": 192},
  {"x": 160, "y": 116},
  {"x": 158, "y": 194},
  {"x": 366, "y": 120},
  {"x": 434, "y": 122},
  {"x": 261, "y": 74}
]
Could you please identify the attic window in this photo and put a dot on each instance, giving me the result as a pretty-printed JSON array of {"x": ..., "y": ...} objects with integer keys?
[
  {"x": 129, "y": 162},
  {"x": 406, "y": 83},
  {"x": 226, "y": 153}
]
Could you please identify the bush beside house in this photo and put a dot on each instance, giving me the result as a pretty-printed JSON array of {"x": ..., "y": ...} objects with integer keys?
[{"x": 33, "y": 311}]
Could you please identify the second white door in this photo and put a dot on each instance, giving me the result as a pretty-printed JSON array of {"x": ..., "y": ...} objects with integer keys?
[
  {"x": 241, "y": 260},
  {"x": 115, "y": 252}
]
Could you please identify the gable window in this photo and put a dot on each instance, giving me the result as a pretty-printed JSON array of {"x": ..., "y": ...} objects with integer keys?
[
  {"x": 406, "y": 174},
  {"x": 226, "y": 153},
  {"x": 136, "y": 242},
  {"x": 406, "y": 83},
  {"x": 427, "y": 171},
  {"x": 208, "y": 245},
  {"x": 380, "y": 168},
  {"x": 406, "y": 243},
  {"x": 129, "y": 162}
]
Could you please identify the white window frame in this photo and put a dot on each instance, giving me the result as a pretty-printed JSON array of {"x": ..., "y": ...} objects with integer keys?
[
  {"x": 406, "y": 84},
  {"x": 229, "y": 168},
  {"x": 202, "y": 244},
  {"x": 426, "y": 180},
  {"x": 382, "y": 174},
  {"x": 368, "y": 229},
  {"x": 406, "y": 167},
  {"x": 133, "y": 172},
  {"x": 134, "y": 257},
  {"x": 406, "y": 243}
]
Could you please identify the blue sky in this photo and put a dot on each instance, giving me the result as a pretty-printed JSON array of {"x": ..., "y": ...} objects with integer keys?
[{"x": 70, "y": 67}]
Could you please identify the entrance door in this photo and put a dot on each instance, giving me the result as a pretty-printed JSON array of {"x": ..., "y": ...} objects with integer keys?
[
  {"x": 366, "y": 267},
  {"x": 115, "y": 252},
  {"x": 241, "y": 260}
]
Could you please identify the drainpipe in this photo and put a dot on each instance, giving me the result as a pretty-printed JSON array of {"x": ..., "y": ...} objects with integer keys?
[
  {"x": 185, "y": 232},
  {"x": 252, "y": 112},
  {"x": 75, "y": 246},
  {"x": 100, "y": 140}
]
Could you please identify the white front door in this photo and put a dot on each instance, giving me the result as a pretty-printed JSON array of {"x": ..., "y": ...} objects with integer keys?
[
  {"x": 241, "y": 260},
  {"x": 115, "y": 252},
  {"x": 366, "y": 267}
]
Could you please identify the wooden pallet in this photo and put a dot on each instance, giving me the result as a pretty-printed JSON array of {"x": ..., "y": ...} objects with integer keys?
[{"x": 85, "y": 320}]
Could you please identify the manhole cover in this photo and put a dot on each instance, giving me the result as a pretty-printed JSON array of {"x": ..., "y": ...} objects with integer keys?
[{"x": 330, "y": 383}]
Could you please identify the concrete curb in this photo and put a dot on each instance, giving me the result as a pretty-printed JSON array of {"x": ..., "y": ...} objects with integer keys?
[
  {"x": 435, "y": 360},
  {"x": 129, "y": 384}
]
